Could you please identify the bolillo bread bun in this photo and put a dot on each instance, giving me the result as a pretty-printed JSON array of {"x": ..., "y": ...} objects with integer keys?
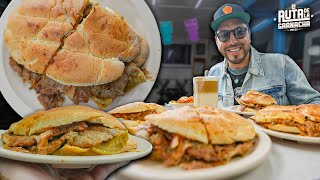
[
  {"x": 131, "y": 108},
  {"x": 271, "y": 116},
  {"x": 310, "y": 111},
  {"x": 69, "y": 130},
  {"x": 43, "y": 120},
  {"x": 225, "y": 127},
  {"x": 206, "y": 125},
  {"x": 255, "y": 98},
  {"x": 280, "y": 108},
  {"x": 143, "y": 54},
  {"x": 133, "y": 114},
  {"x": 246, "y": 109},
  {"x": 280, "y": 118},
  {"x": 35, "y": 29},
  {"x": 137, "y": 107},
  {"x": 95, "y": 50},
  {"x": 183, "y": 121},
  {"x": 74, "y": 42},
  {"x": 79, "y": 69},
  {"x": 302, "y": 120},
  {"x": 284, "y": 128},
  {"x": 195, "y": 138}
]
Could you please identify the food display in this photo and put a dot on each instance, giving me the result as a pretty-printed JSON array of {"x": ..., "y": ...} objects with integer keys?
[
  {"x": 183, "y": 99},
  {"x": 254, "y": 100},
  {"x": 74, "y": 48},
  {"x": 181, "y": 102},
  {"x": 195, "y": 138},
  {"x": 132, "y": 114},
  {"x": 69, "y": 130},
  {"x": 301, "y": 120}
]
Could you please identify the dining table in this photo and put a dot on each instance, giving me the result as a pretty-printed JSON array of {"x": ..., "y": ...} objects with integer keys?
[{"x": 287, "y": 160}]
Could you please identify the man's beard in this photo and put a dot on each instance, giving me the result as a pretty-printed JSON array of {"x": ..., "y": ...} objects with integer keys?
[{"x": 238, "y": 58}]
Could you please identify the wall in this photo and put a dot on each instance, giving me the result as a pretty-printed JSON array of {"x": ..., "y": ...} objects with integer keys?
[{"x": 172, "y": 78}]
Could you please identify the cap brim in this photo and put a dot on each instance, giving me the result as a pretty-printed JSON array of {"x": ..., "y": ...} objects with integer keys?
[{"x": 243, "y": 16}]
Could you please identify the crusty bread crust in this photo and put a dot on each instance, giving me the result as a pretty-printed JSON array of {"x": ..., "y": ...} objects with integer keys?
[
  {"x": 35, "y": 29},
  {"x": 143, "y": 54},
  {"x": 132, "y": 108},
  {"x": 204, "y": 124},
  {"x": 226, "y": 127},
  {"x": 183, "y": 121},
  {"x": 264, "y": 116},
  {"x": 137, "y": 107},
  {"x": 280, "y": 108},
  {"x": 311, "y": 111},
  {"x": 92, "y": 52},
  {"x": 284, "y": 128},
  {"x": 254, "y": 97},
  {"x": 158, "y": 107},
  {"x": 40, "y": 121},
  {"x": 79, "y": 69},
  {"x": 110, "y": 36},
  {"x": 247, "y": 109}
]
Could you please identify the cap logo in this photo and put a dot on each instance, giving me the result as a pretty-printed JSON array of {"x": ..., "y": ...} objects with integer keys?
[{"x": 227, "y": 10}]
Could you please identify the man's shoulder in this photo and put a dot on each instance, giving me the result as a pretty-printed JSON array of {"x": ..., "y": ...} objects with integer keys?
[
  {"x": 276, "y": 60},
  {"x": 217, "y": 68},
  {"x": 272, "y": 57},
  {"x": 218, "y": 65}
]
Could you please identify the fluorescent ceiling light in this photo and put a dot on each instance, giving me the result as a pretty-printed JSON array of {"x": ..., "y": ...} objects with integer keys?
[
  {"x": 198, "y": 4},
  {"x": 153, "y": 2}
]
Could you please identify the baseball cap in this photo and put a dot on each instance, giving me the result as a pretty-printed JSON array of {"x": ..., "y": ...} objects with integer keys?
[{"x": 228, "y": 11}]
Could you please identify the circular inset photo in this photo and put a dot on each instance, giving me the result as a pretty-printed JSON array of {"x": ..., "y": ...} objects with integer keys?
[{"x": 53, "y": 54}]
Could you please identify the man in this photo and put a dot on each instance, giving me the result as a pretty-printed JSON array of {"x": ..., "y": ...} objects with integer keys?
[{"x": 244, "y": 68}]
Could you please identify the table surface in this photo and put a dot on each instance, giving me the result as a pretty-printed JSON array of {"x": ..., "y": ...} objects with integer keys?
[{"x": 287, "y": 160}]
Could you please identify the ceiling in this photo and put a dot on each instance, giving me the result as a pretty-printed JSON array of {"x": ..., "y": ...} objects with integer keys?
[{"x": 178, "y": 11}]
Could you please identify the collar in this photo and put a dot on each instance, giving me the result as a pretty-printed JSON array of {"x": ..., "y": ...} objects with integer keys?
[{"x": 255, "y": 65}]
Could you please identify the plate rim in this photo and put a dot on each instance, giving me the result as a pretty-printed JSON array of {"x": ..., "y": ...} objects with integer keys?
[
  {"x": 19, "y": 105},
  {"x": 263, "y": 148},
  {"x": 78, "y": 160},
  {"x": 238, "y": 112},
  {"x": 288, "y": 136}
]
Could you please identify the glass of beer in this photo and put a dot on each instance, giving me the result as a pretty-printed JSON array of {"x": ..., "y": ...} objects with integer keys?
[{"x": 205, "y": 91}]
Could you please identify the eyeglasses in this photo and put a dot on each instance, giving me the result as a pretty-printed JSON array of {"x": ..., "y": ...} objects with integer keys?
[{"x": 239, "y": 33}]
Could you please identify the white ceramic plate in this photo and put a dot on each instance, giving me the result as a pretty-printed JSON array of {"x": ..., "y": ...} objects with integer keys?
[
  {"x": 177, "y": 105},
  {"x": 235, "y": 110},
  {"x": 143, "y": 149},
  {"x": 303, "y": 139},
  {"x": 147, "y": 169},
  {"x": 138, "y": 15}
]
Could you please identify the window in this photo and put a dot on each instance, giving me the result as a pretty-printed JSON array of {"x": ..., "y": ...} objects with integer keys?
[{"x": 176, "y": 54}]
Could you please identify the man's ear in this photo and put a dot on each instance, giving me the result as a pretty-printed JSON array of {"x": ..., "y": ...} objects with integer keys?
[
  {"x": 215, "y": 38},
  {"x": 249, "y": 30}
]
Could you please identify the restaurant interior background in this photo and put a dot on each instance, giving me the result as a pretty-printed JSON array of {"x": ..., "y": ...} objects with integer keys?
[{"x": 189, "y": 48}]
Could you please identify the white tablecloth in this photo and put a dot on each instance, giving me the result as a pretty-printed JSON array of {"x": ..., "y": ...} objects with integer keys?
[{"x": 288, "y": 160}]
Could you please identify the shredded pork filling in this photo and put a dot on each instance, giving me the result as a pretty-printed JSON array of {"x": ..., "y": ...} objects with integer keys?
[
  {"x": 51, "y": 93},
  {"x": 138, "y": 116},
  {"x": 254, "y": 106},
  {"x": 174, "y": 149},
  {"x": 310, "y": 128},
  {"x": 78, "y": 134}
]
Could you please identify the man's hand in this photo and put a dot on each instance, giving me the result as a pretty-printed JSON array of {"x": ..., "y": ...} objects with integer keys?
[{"x": 10, "y": 169}]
